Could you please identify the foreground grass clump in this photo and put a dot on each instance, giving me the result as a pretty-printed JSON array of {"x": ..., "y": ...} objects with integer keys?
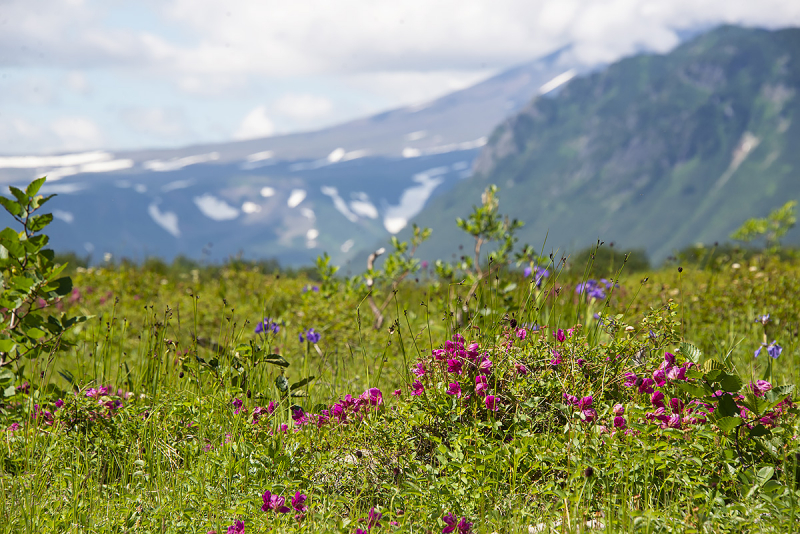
[{"x": 519, "y": 401}]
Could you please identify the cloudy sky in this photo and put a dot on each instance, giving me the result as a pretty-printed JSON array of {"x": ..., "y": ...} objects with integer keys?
[{"x": 83, "y": 74}]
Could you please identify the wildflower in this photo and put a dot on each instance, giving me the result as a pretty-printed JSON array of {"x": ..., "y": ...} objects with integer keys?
[
  {"x": 773, "y": 349},
  {"x": 454, "y": 366},
  {"x": 585, "y": 402},
  {"x": 59, "y": 403},
  {"x": 645, "y": 386},
  {"x": 669, "y": 359},
  {"x": 236, "y": 528},
  {"x": 763, "y": 319},
  {"x": 310, "y": 335},
  {"x": 274, "y": 502},
  {"x": 299, "y": 502},
  {"x": 491, "y": 403},
  {"x": 527, "y": 272},
  {"x": 618, "y": 409},
  {"x": 481, "y": 384},
  {"x": 464, "y": 526},
  {"x": 674, "y": 421},
  {"x": 630, "y": 380},
  {"x": 267, "y": 326},
  {"x": 271, "y": 407},
  {"x": 572, "y": 399},
  {"x": 589, "y": 414},
  {"x": 373, "y": 518},
  {"x": 419, "y": 369},
  {"x": 521, "y": 369},
  {"x": 237, "y": 404},
  {"x": 659, "y": 377},
  {"x": 676, "y": 405},
  {"x": 486, "y": 364},
  {"x": 556, "y": 358},
  {"x": 13, "y": 428},
  {"x": 397, "y": 392},
  {"x": 676, "y": 373},
  {"x": 559, "y": 335},
  {"x": 454, "y": 389},
  {"x": 439, "y": 354},
  {"x": 620, "y": 423},
  {"x": 449, "y": 520},
  {"x": 581, "y": 362},
  {"x": 373, "y": 396},
  {"x": 761, "y": 386},
  {"x": 521, "y": 333},
  {"x": 417, "y": 388},
  {"x": 657, "y": 399}
]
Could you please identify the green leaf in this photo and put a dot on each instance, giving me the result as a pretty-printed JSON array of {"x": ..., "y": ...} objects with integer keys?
[
  {"x": 693, "y": 389},
  {"x": 727, "y": 406},
  {"x": 7, "y": 377},
  {"x": 11, "y": 206},
  {"x": 34, "y": 187},
  {"x": 758, "y": 431},
  {"x": 38, "y": 222},
  {"x": 729, "y": 382},
  {"x": 20, "y": 195},
  {"x": 510, "y": 287},
  {"x": 712, "y": 364},
  {"x": 276, "y": 359},
  {"x": 282, "y": 384},
  {"x": 6, "y": 344},
  {"x": 690, "y": 352},
  {"x": 764, "y": 474},
  {"x": 301, "y": 383},
  {"x": 726, "y": 424}
]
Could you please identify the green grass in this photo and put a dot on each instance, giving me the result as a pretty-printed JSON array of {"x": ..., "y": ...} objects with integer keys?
[{"x": 174, "y": 457}]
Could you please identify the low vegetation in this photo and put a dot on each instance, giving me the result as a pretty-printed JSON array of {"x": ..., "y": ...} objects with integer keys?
[{"x": 503, "y": 392}]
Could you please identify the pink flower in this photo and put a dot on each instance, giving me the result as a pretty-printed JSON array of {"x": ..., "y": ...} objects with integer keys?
[
  {"x": 646, "y": 385},
  {"x": 669, "y": 359},
  {"x": 585, "y": 402},
  {"x": 454, "y": 389},
  {"x": 659, "y": 377},
  {"x": 521, "y": 369},
  {"x": 559, "y": 335},
  {"x": 521, "y": 333},
  {"x": 618, "y": 409},
  {"x": 676, "y": 405},
  {"x": 674, "y": 421},
  {"x": 273, "y": 502},
  {"x": 454, "y": 366},
  {"x": 619, "y": 422},
  {"x": 417, "y": 388},
  {"x": 397, "y": 392},
  {"x": 630, "y": 380},
  {"x": 581, "y": 362},
  {"x": 556, "y": 358},
  {"x": 589, "y": 414},
  {"x": 486, "y": 364},
  {"x": 657, "y": 399},
  {"x": 439, "y": 354},
  {"x": 572, "y": 399},
  {"x": 481, "y": 385},
  {"x": 491, "y": 403},
  {"x": 419, "y": 369},
  {"x": 373, "y": 396}
]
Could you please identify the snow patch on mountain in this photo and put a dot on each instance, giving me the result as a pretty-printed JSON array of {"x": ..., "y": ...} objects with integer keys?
[
  {"x": 215, "y": 208},
  {"x": 167, "y": 220},
  {"x": 177, "y": 184},
  {"x": 413, "y": 199},
  {"x": 175, "y": 164},
  {"x": 339, "y": 203},
  {"x": 296, "y": 197}
]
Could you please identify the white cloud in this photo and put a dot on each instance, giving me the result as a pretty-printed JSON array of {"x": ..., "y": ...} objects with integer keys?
[
  {"x": 77, "y": 133},
  {"x": 255, "y": 124},
  {"x": 304, "y": 107},
  {"x": 77, "y": 81},
  {"x": 160, "y": 122}
]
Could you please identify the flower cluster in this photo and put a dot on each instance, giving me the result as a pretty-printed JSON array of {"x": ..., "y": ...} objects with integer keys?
[
  {"x": 539, "y": 273},
  {"x": 594, "y": 289},
  {"x": 773, "y": 349},
  {"x": 452, "y": 523},
  {"x": 267, "y": 326},
  {"x": 277, "y": 504},
  {"x": 310, "y": 335}
]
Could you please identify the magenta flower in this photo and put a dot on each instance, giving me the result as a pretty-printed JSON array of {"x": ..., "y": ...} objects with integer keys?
[
  {"x": 620, "y": 423},
  {"x": 630, "y": 380},
  {"x": 472, "y": 351},
  {"x": 481, "y": 385},
  {"x": 572, "y": 399},
  {"x": 646, "y": 385},
  {"x": 454, "y": 389},
  {"x": 559, "y": 335},
  {"x": 619, "y": 409},
  {"x": 657, "y": 399},
  {"x": 449, "y": 520},
  {"x": 299, "y": 502},
  {"x": 236, "y": 528},
  {"x": 585, "y": 402},
  {"x": 373, "y": 396},
  {"x": 556, "y": 358},
  {"x": 237, "y": 404},
  {"x": 373, "y": 518},
  {"x": 59, "y": 403},
  {"x": 419, "y": 369},
  {"x": 674, "y": 421},
  {"x": 417, "y": 388},
  {"x": 439, "y": 354},
  {"x": 521, "y": 369},
  {"x": 464, "y": 526},
  {"x": 491, "y": 403},
  {"x": 397, "y": 392},
  {"x": 676, "y": 373},
  {"x": 669, "y": 358},
  {"x": 581, "y": 362},
  {"x": 486, "y": 364},
  {"x": 454, "y": 366},
  {"x": 589, "y": 414},
  {"x": 521, "y": 333},
  {"x": 659, "y": 377},
  {"x": 273, "y": 502},
  {"x": 676, "y": 405}
]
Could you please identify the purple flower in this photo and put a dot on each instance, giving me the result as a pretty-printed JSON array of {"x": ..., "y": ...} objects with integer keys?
[
  {"x": 646, "y": 385},
  {"x": 449, "y": 520},
  {"x": 270, "y": 407},
  {"x": 657, "y": 399},
  {"x": 417, "y": 388},
  {"x": 454, "y": 366},
  {"x": 464, "y": 526},
  {"x": 585, "y": 402},
  {"x": 491, "y": 403},
  {"x": 373, "y": 518},
  {"x": 619, "y": 422},
  {"x": 761, "y": 386},
  {"x": 486, "y": 364},
  {"x": 273, "y": 502},
  {"x": 559, "y": 335},
  {"x": 299, "y": 502},
  {"x": 676, "y": 373},
  {"x": 556, "y": 358},
  {"x": 454, "y": 389},
  {"x": 397, "y": 392},
  {"x": 59, "y": 403},
  {"x": 763, "y": 319},
  {"x": 773, "y": 349},
  {"x": 572, "y": 399},
  {"x": 236, "y": 528},
  {"x": 481, "y": 385},
  {"x": 310, "y": 336},
  {"x": 373, "y": 396},
  {"x": 13, "y": 427},
  {"x": 581, "y": 362},
  {"x": 419, "y": 369},
  {"x": 674, "y": 421},
  {"x": 676, "y": 404},
  {"x": 266, "y": 326},
  {"x": 527, "y": 272},
  {"x": 630, "y": 380},
  {"x": 521, "y": 333},
  {"x": 589, "y": 414},
  {"x": 618, "y": 409},
  {"x": 659, "y": 377},
  {"x": 521, "y": 369},
  {"x": 237, "y": 404}
]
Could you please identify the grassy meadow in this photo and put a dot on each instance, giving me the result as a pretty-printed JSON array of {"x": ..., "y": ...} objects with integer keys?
[{"x": 510, "y": 392}]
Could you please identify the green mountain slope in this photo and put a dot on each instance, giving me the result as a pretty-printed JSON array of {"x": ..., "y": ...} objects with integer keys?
[{"x": 656, "y": 151}]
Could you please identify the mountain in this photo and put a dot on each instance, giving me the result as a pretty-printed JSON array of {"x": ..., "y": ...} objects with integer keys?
[
  {"x": 654, "y": 152},
  {"x": 291, "y": 197}
]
